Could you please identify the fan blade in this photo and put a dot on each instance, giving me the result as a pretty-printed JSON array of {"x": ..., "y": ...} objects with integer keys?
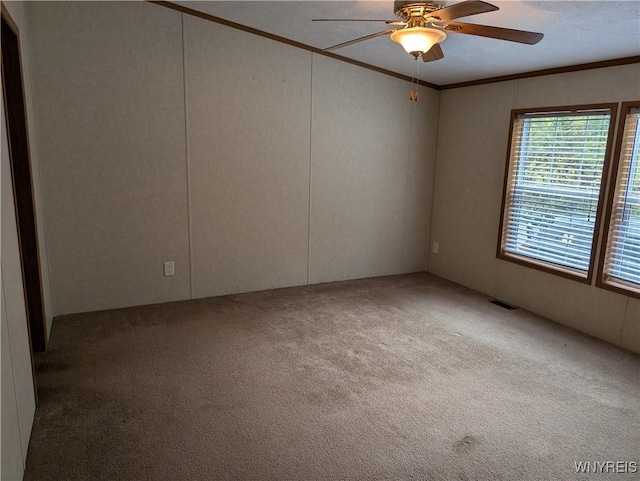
[
  {"x": 520, "y": 36},
  {"x": 361, "y": 39},
  {"x": 463, "y": 9},
  {"x": 434, "y": 53},
  {"x": 388, "y": 22}
]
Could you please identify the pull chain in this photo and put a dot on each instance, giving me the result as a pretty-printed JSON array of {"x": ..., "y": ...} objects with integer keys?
[{"x": 413, "y": 95}]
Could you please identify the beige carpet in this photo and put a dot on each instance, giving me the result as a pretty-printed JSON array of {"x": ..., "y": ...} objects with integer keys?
[{"x": 403, "y": 377}]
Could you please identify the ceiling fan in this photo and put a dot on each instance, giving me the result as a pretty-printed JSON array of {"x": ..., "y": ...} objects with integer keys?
[{"x": 424, "y": 26}]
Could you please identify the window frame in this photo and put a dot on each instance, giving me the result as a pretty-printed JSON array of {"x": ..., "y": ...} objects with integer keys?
[
  {"x": 543, "y": 266},
  {"x": 613, "y": 180}
]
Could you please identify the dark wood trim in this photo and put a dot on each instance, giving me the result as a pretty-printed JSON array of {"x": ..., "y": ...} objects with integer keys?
[
  {"x": 548, "y": 267},
  {"x": 544, "y": 267},
  {"x": 613, "y": 178},
  {"x": 617, "y": 288},
  {"x": 9, "y": 19},
  {"x": 293, "y": 43},
  {"x": 505, "y": 180},
  {"x": 539, "y": 73},
  {"x": 604, "y": 181},
  {"x": 569, "y": 109},
  {"x": 20, "y": 162}
]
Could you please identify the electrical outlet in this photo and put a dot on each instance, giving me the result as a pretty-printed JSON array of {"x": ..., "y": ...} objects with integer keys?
[
  {"x": 435, "y": 247},
  {"x": 169, "y": 269}
]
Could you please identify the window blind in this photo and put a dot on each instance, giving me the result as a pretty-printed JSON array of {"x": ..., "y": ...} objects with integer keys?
[
  {"x": 622, "y": 257},
  {"x": 553, "y": 186}
]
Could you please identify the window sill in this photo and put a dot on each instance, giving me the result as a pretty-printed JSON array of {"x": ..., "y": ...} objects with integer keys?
[
  {"x": 621, "y": 287},
  {"x": 566, "y": 272}
]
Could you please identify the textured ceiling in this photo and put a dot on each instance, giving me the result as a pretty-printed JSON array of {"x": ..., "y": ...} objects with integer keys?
[{"x": 575, "y": 32}]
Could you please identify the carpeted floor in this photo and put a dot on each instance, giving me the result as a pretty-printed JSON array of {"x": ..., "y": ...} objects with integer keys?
[{"x": 402, "y": 377}]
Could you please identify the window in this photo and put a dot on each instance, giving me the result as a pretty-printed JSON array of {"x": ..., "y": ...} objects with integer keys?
[
  {"x": 552, "y": 194},
  {"x": 620, "y": 265}
]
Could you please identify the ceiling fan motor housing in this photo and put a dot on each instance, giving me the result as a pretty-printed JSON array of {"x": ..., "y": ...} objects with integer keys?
[{"x": 408, "y": 10}]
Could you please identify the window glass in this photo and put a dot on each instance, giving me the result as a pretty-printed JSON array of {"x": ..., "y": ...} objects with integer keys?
[
  {"x": 553, "y": 186},
  {"x": 621, "y": 266}
]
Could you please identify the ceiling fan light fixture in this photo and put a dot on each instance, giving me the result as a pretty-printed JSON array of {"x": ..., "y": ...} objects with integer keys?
[{"x": 418, "y": 40}]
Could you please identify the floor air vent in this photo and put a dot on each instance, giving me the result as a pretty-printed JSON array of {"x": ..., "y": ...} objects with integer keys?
[{"x": 502, "y": 304}]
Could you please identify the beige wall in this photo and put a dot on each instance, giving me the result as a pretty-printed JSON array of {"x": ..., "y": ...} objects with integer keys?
[
  {"x": 472, "y": 143},
  {"x": 109, "y": 94},
  {"x": 372, "y": 161},
  {"x": 250, "y": 163},
  {"x": 248, "y": 117}
]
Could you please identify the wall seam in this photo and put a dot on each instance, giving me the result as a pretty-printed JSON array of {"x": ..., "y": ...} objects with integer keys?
[
  {"x": 186, "y": 151},
  {"x": 310, "y": 164},
  {"x": 406, "y": 188},
  {"x": 13, "y": 377},
  {"x": 624, "y": 321},
  {"x": 425, "y": 258}
]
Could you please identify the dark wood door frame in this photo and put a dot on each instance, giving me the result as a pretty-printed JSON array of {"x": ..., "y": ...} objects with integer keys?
[{"x": 20, "y": 161}]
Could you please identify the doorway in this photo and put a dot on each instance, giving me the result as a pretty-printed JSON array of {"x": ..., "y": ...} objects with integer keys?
[{"x": 19, "y": 159}]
